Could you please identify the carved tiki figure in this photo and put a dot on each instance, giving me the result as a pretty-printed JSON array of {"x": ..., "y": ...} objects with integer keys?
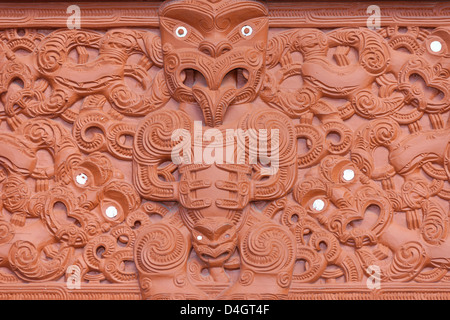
[{"x": 214, "y": 62}]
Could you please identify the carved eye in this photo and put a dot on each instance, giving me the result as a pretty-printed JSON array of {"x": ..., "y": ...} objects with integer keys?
[
  {"x": 348, "y": 174},
  {"x": 111, "y": 212},
  {"x": 181, "y": 32},
  {"x": 199, "y": 238},
  {"x": 436, "y": 46},
  {"x": 246, "y": 31},
  {"x": 318, "y": 205},
  {"x": 81, "y": 179}
]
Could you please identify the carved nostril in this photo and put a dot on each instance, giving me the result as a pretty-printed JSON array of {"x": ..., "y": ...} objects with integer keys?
[
  {"x": 214, "y": 50},
  {"x": 207, "y": 48},
  {"x": 223, "y": 48}
]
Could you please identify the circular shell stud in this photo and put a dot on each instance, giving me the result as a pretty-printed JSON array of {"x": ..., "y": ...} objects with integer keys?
[
  {"x": 111, "y": 212},
  {"x": 81, "y": 179},
  {"x": 348, "y": 175},
  {"x": 246, "y": 31},
  {"x": 436, "y": 46},
  {"x": 181, "y": 32},
  {"x": 318, "y": 205}
]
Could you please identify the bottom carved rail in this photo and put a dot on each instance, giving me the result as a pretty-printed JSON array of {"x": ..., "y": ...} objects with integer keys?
[{"x": 59, "y": 291}]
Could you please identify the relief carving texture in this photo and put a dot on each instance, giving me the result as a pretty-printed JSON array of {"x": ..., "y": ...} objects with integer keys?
[{"x": 88, "y": 182}]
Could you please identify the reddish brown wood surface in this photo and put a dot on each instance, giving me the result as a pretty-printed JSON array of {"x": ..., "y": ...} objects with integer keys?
[{"x": 94, "y": 204}]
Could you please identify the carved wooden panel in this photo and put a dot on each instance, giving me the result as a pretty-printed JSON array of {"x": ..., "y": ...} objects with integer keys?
[{"x": 225, "y": 149}]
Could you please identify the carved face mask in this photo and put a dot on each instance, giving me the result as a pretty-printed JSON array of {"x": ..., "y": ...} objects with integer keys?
[
  {"x": 214, "y": 240},
  {"x": 215, "y": 55}
]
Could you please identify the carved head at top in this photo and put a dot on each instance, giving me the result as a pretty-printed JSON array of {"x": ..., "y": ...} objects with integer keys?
[{"x": 214, "y": 52}]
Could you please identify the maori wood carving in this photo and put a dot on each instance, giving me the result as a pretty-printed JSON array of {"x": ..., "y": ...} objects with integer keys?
[{"x": 91, "y": 196}]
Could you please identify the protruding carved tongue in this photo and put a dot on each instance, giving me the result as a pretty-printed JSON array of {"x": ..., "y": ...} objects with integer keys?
[{"x": 213, "y": 103}]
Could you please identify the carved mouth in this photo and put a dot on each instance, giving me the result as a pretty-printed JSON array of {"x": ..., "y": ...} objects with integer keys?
[
  {"x": 192, "y": 77},
  {"x": 236, "y": 78},
  {"x": 214, "y": 97},
  {"x": 219, "y": 258}
]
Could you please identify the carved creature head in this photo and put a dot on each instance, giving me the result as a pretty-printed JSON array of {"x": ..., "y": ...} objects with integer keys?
[
  {"x": 214, "y": 240},
  {"x": 355, "y": 209},
  {"x": 215, "y": 55}
]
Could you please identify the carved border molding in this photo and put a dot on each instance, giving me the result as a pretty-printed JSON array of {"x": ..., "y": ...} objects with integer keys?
[
  {"x": 110, "y": 15},
  {"x": 304, "y": 14},
  {"x": 58, "y": 291}
]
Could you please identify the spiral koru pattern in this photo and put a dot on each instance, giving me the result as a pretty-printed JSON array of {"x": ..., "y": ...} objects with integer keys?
[
  {"x": 408, "y": 261},
  {"x": 153, "y": 140},
  {"x": 280, "y": 134},
  {"x": 160, "y": 248},
  {"x": 268, "y": 249}
]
